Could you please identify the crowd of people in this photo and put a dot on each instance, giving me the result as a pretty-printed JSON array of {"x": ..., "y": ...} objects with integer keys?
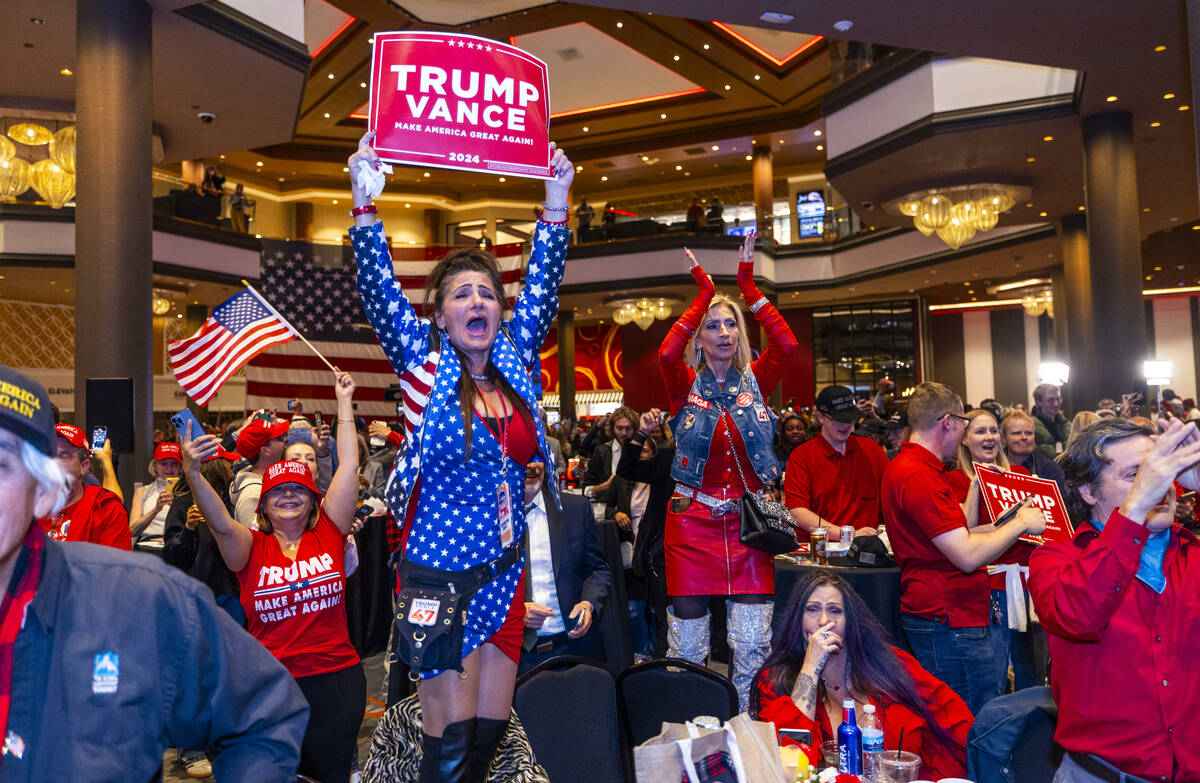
[{"x": 225, "y": 633}]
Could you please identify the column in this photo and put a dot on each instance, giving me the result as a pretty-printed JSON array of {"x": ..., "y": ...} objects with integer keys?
[
  {"x": 1114, "y": 255},
  {"x": 764, "y": 192},
  {"x": 113, "y": 223},
  {"x": 433, "y": 227},
  {"x": 1074, "y": 340},
  {"x": 304, "y": 221},
  {"x": 566, "y": 363}
]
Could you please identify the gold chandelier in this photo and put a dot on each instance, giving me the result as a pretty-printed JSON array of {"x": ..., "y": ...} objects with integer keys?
[
  {"x": 14, "y": 179},
  {"x": 21, "y": 167},
  {"x": 643, "y": 311},
  {"x": 1038, "y": 302},
  {"x": 956, "y": 213}
]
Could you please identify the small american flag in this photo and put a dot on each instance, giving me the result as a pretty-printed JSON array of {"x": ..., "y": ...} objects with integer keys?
[{"x": 239, "y": 329}]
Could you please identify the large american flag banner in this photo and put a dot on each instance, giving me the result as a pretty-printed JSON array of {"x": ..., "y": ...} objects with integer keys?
[
  {"x": 313, "y": 286},
  {"x": 238, "y": 329}
]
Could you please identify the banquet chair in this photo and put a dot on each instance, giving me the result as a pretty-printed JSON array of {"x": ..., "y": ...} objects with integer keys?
[
  {"x": 1012, "y": 739},
  {"x": 670, "y": 690},
  {"x": 568, "y": 706}
]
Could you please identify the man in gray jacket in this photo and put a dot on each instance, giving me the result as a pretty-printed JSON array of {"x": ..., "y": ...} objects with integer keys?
[{"x": 107, "y": 658}]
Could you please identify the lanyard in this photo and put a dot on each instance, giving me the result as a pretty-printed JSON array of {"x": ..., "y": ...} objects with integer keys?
[{"x": 501, "y": 424}]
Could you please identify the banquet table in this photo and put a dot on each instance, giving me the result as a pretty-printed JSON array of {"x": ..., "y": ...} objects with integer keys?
[{"x": 878, "y": 587}]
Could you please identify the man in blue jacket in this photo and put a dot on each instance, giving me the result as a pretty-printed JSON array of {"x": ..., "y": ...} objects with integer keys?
[{"x": 106, "y": 657}]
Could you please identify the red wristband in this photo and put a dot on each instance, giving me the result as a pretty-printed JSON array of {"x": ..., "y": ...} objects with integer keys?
[
  {"x": 366, "y": 209},
  {"x": 553, "y": 222}
]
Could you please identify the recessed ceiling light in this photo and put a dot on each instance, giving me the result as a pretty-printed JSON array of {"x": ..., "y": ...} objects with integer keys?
[
  {"x": 259, "y": 163},
  {"x": 331, "y": 76},
  {"x": 1047, "y": 138},
  {"x": 407, "y": 205},
  {"x": 1041, "y": 214},
  {"x": 1081, "y": 208},
  {"x": 604, "y": 179},
  {"x": 585, "y": 129},
  {"x": 1148, "y": 277},
  {"x": 687, "y": 173},
  {"x": 335, "y": 202},
  {"x": 1195, "y": 228},
  {"x": 222, "y": 156},
  {"x": 820, "y": 147},
  {"x": 679, "y": 168},
  {"x": 1155, "y": 124},
  {"x": 1029, "y": 205},
  {"x": 1168, "y": 96},
  {"x": 426, "y": 174},
  {"x": 1145, "y": 209},
  {"x": 662, "y": 116},
  {"x": 816, "y": 133},
  {"x": 1111, "y": 98},
  {"x": 326, "y": 115},
  {"x": 715, "y": 147},
  {"x": 676, "y": 58},
  {"x": 345, "y": 169},
  {"x": 67, "y": 72},
  {"x": 579, "y": 168},
  {"x": 1030, "y": 159},
  {"x": 757, "y": 77},
  {"x": 645, "y": 158},
  {"x": 362, "y": 84},
  {"x": 1160, "y": 48},
  {"x": 728, "y": 87},
  {"x": 706, "y": 47},
  {"x": 620, "y": 24},
  {"x": 843, "y": 26},
  {"x": 281, "y": 179},
  {"x": 1184, "y": 107},
  {"x": 503, "y": 179},
  {"x": 777, "y": 17},
  {"x": 1158, "y": 269},
  {"x": 749, "y": 157}
]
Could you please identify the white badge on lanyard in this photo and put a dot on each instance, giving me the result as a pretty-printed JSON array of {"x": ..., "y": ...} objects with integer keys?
[{"x": 504, "y": 514}]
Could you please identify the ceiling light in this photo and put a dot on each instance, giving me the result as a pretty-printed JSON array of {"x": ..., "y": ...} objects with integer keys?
[
  {"x": 1184, "y": 107},
  {"x": 777, "y": 17},
  {"x": 1160, "y": 48},
  {"x": 326, "y": 115},
  {"x": 645, "y": 158},
  {"x": 1041, "y": 214},
  {"x": 820, "y": 147},
  {"x": 620, "y": 24},
  {"x": 30, "y": 133},
  {"x": 335, "y": 202},
  {"x": 1155, "y": 124},
  {"x": 222, "y": 156},
  {"x": 715, "y": 147},
  {"x": 1030, "y": 159},
  {"x": 426, "y": 174},
  {"x": 679, "y": 168},
  {"x": 706, "y": 47},
  {"x": 281, "y": 179},
  {"x": 604, "y": 179},
  {"x": 503, "y": 179},
  {"x": 1047, "y": 138},
  {"x": 749, "y": 157},
  {"x": 345, "y": 169},
  {"x": 331, "y": 76},
  {"x": 843, "y": 26},
  {"x": 662, "y": 116},
  {"x": 676, "y": 58},
  {"x": 757, "y": 77},
  {"x": 1111, "y": 98},
  {"x": 728, "y": 87},
  {"x": 1081, "y": 208},
  {"x": 579, "y": 168},
  {"x": 816, "y": 133},
  {"x": 1158, "y": 269},
  {"x": 1029, "y": 205},
  {"x": 259, "y": 163},
  {"x": 1168, "y": 96},
  {"x": 1019, "y": 284},
  {"x": 67, "y": 72},
  {"x": 407, "y": 205},
  {"x": 585, "y": 129},
  {"x": 362, "y": 84}
]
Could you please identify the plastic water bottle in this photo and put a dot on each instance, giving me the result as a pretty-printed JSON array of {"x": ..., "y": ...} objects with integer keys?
[
  {"x": 872, "y": 741},
  {"x": 849, "y": 738}
]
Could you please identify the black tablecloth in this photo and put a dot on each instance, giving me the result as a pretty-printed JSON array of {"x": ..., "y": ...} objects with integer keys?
[{"x": 878, "y": 587}]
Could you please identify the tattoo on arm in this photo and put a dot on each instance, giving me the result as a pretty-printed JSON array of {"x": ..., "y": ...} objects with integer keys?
[{"x": 804, "y": 694}]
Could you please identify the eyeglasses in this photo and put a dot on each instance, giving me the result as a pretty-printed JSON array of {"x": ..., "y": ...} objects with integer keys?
[{"x": 963, "y": 419}]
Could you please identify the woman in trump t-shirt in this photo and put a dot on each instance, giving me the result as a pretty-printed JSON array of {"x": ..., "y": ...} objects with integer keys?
[{"x": 292, "y": 576}]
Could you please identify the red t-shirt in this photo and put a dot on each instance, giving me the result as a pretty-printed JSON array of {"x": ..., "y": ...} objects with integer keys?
[
  {"x": 97, "y": 518},
  {"x": 841, "y": 489},
  {"x": 919, "y": 505},
  {"x": 296, "y": 608},
  {"x": 1020, "y": 551}
]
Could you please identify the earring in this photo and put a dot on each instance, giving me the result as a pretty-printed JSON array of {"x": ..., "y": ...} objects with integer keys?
[{"x": 699, "y": 356}]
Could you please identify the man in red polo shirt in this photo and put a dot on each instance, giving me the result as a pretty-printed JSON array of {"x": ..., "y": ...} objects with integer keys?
[
  {"x": 833, "y": 479},
  {"x": 1120, "y": 610},
  {"x": 944, "y": 592},
  {"x": 91, "y": 513}
]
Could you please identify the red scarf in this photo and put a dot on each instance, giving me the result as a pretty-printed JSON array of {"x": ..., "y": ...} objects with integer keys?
[{"x": 21, "y": 590}]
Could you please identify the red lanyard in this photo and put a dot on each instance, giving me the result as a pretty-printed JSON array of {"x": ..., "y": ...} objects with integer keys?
[{"x": 501, "y": 423}]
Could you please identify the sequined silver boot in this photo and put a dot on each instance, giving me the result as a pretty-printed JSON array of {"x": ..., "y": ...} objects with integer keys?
[
  {"x": 749, "y": 644},
  {"x": 688, "y": 639}
]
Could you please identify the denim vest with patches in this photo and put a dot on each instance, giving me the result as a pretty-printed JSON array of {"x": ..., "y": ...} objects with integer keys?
[{"x": 696, "y": 422}]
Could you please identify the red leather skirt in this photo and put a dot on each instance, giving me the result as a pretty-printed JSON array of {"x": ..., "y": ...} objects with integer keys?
[{"x": 704, "y": 556}]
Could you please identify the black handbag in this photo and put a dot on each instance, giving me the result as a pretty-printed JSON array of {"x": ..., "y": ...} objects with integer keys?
[
  {"x": 429, "y": 628},
  {"x": 766, "y": 523}
]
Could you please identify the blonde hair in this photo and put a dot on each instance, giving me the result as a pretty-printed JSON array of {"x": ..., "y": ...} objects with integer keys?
[
  {"x": 741, "y": 357},
  {"x": 965, "y": 460}
]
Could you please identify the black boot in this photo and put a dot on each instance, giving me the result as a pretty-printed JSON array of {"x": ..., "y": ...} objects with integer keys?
[
  {"x": 447, "y": 758},
  {"x": 488, "y": 735}
]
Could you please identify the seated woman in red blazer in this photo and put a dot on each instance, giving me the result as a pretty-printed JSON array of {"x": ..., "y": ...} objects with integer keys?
[{"x": 832, "y": 648}]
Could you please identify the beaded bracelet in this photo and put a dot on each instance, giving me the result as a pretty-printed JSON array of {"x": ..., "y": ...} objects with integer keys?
[{"x": 549, "y": 208}]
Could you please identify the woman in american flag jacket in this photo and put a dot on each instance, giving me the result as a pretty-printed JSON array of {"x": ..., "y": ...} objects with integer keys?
[{"x": 471, "y": 383}]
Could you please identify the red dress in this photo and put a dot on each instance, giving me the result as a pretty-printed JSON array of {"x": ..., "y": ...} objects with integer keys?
[
  {"x": 948, "y": 710},
  {"x": 703, "y": 555}
]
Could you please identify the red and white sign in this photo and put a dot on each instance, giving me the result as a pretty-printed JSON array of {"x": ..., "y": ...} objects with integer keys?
[
  {"x": 460, "y": 102},
  {"x": 1003, "y": 489}
]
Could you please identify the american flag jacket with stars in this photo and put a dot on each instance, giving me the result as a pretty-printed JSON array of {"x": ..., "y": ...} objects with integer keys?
[{"x": 429, "y": 374}]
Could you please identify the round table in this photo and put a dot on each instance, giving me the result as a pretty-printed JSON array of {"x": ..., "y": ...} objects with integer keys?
[{"x": 878, "y": 587}]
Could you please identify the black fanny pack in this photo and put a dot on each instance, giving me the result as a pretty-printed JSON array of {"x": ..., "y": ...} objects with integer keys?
[{"x": 431, "y": 611}]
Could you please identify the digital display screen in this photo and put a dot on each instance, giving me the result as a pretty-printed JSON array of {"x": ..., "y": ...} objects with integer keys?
[{"x": 810, "y": 213}]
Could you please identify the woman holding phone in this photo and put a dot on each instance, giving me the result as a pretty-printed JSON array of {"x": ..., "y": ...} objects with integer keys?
[
  {"x": 473, "y": 425},
  {"x": 291, "y": 571},
  {"x": 151, "y": 502}
]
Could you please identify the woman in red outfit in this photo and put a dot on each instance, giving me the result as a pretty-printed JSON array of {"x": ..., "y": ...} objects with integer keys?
[
  {"x": 832, "y": 648},
  {"x": 1016, "y": 634},
  {"x": 292, "y": 575},
  {"x": 723, "y": 435}
]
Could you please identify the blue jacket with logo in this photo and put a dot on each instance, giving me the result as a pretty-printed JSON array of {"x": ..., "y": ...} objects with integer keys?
[{"x": 122, "y": 656}]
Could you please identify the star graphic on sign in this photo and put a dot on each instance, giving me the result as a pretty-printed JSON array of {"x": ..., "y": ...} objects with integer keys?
[{"x": 489, "y": 47}]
